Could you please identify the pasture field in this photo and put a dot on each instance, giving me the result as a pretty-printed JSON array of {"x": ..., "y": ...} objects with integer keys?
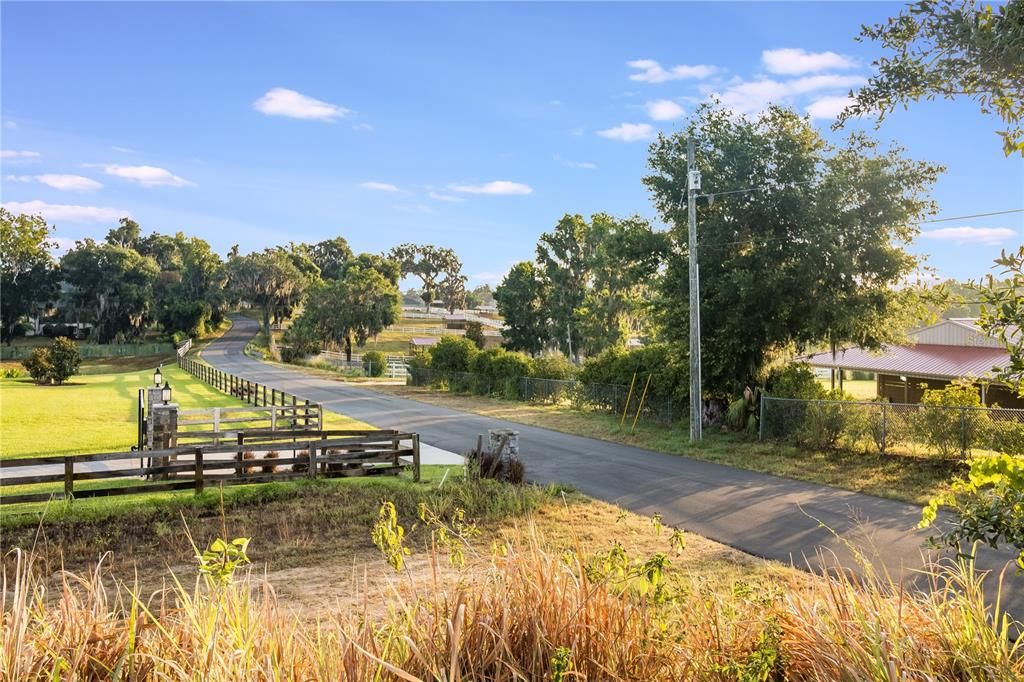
[{"x": 96, "y": 412}]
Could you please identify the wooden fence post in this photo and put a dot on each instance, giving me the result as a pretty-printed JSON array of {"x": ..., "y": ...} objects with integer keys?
[
  {"x": 416, "y": 457},
  {"x": 199, "y": 471},
  {"x": 69, "y": 478},
  {"x": 238, "y": 457},
  {"x": 312, "y": 459}
]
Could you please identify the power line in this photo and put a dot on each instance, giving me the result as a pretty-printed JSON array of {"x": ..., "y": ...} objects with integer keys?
[
  {"x": 737, "y": 242},
  {"x": 976, "y": 215}
]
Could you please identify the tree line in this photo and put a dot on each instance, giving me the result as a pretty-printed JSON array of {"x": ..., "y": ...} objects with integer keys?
[{"x": 127, "y": 284}]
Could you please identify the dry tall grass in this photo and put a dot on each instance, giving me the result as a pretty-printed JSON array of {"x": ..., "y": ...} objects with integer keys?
[{"x": 533, "y": 615}]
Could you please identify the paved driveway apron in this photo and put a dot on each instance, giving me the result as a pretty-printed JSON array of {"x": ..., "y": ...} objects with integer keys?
[{"x": 769, "y": 516}]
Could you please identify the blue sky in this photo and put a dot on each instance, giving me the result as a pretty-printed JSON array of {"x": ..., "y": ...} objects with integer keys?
[{"x": 474, "y": 126}]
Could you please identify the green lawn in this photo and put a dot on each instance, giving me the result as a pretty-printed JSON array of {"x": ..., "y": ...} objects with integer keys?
[
  {"x": 96, "y": 412},
  {"x": 861, "y": 389}
]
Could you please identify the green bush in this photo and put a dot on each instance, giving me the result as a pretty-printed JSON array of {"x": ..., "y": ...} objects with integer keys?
[
  {"x": 452, "y": 354},
  {"x": 1006, "y": 436},
  {"x": 37, "y": 364},
  {"x": 498, "y": 371},
  {"x": 946, "y": 429},
  {"x": 54, "y": 364},
  {"x": 178, "y": 338},
  {"x": 553, "y": 366},
  {"x": 795, "y": 380},
  {"x": 300, "y": 341},
  {"x": 374, "y": 363},
  {"x": 420, "y": 360},
  {"x": 665, "y": 364},
  {"x": 827, "y": 420}
]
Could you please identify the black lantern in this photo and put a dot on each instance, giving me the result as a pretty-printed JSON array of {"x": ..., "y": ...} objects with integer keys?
[
  {"x": 165, "y": 393},
  {"x": 158, "y": 377}
]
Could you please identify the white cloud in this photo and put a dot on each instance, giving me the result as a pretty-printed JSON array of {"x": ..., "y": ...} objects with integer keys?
[
  {"x": 123, "y": 150},
  {"x": 829, "y": 107},
  {"x": 69, "y": 183},
  {"x": 417, "y": 208},
  {"x": 362, "y": 127},
  {"x": 495, "y": 187},
  {"x": 585, "y": 165},
  {"x": 970, "y": 235},
  {"x": 446, "y": 197},
  {"x": 650, "y": 71},
  {"x": 285, "y": 102},
  {"x": 664, "y": 110},
  {"x": 794, "y": 61},
  {"x": 69, "y": 212},
  {"x": 14, "y": 154},
  {"x": 380, "y": 186},
  {"x": 147, "y": 176},
  {"x": 750, "y": 97},
  {"x": 628, "y": 132}
]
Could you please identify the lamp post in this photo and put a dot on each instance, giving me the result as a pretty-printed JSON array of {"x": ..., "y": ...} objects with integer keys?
[
  {"x": 165, "y": 393},
  {"x": 158, "y": 377}
]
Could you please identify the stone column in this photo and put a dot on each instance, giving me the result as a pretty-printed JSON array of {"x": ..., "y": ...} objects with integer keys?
[
  {"x": 163, "y": 420},
  {"x": 152, "y": 400}
]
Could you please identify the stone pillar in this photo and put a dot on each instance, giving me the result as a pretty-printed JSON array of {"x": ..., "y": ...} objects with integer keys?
[
  {"x": 495, "y": 436},
  {"x": 164, "y": 423},
  {"x": 152, "y": 400},
  {"x": 163, "y": 420}
]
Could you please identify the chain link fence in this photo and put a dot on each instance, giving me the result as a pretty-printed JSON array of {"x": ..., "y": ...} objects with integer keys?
[
  {"x": 596, "y": 397},
  {"x": 887, "y": 428}
]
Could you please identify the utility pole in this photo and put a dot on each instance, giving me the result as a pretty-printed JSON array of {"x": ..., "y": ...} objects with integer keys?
[{"x": 696, "y": 400}]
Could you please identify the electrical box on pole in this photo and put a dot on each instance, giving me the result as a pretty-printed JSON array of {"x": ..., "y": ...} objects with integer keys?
[{"x": 696, "y": 395}]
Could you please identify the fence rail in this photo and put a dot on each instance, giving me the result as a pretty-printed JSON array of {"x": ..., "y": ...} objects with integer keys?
[
  {"x": 938, "y": 430},
  {"x": 255, "y": 457},
  {"x": 251, "y": 392},
  {"x": 601, "y": 397}
]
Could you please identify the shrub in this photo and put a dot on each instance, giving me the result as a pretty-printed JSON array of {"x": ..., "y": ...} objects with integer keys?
[
  {"x": 452, "y": 354},
  {"x": 553, "y": 366},
  {"x": 826, "y": 421},
  {"x": 373, "y": 363},
  {"x": 11, "y": 373},
  {"x": 498, "y": 371},
  {"x": 666, "y": 364},
  {"x": 37, "y": 364},
  {"x": 299, "y": 341},
  {"x": 178, "y": 338},
  {"x": 795, "y": 380},
  {"x": 943, "y": 427},
  {"x": 55, "y": 363},
  {"x": 420, "y": 360},
  {"x": 64, "y": 360},
  {"x": 475, "y": 333}
]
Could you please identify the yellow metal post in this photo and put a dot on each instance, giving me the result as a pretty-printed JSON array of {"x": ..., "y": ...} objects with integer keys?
[
  {"x": 642, "y": 396},
  {"x": 629, "y": 397}
]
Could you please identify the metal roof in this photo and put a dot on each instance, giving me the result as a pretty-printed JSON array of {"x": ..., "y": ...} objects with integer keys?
[
  {"x": 920, "y": 360},
  {"x": 424, "y": 340}
]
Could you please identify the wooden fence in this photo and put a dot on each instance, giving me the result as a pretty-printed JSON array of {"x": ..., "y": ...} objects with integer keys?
[
  {"x": 249, "y": 459},
  {"x": 257, "y": 395},
  {"x": 217, "y": 423}
]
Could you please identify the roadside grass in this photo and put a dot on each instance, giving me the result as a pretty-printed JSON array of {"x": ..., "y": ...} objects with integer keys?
[
  {"x": 902, "y": 477},
  {"x": 627, "y": 603},
  {"x": 97, "y": 412}
]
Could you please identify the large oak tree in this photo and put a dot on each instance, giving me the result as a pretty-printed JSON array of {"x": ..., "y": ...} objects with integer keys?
[{"x": 804, "y": 243}]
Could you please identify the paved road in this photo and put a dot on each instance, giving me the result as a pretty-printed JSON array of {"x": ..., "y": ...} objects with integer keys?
[{"x": 764, "y": 515}]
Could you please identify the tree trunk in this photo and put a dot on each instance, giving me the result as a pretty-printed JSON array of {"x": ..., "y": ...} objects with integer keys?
[{"x": 348, "y": 347}]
